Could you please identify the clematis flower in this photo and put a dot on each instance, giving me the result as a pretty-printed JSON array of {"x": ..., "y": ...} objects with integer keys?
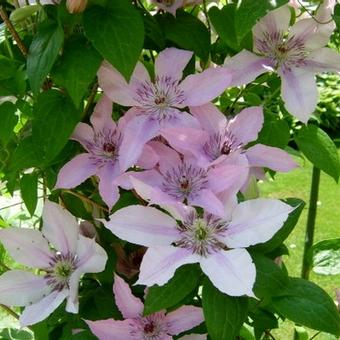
[
  {"x": 183, "y": 180},
  {"x": 171, "y": 6},
  {"x": 296, "y": 54},
  {"x": 135, "y": 326},
  {"x": 159, "y": 102},
  {"x": 72, "y": 255},
  {"x": 218, "y": 244},
  {"x": 103, "y": 157},
  {"x": 219, "y": 139}
]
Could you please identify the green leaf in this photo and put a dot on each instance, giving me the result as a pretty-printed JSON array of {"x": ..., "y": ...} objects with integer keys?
[
  {"x": 187, "y": 32},
  {"x": 326, "y": 257},
  {"x": 286, "y": 229},
  {"x": 270, "y": 279},
  {"x": 43, "y": 52},
  {"x": 182, "y": 284},
  {"x": 336, "y": 16},
  {"x": 55, "y": 118},
  {"x": 24, "y": 156},
  {"x": 73, "y": 75},
  {"x": 8, "y": 67},
  {"x": 8, "y": 121},
  {"x": 29, "y": 191},
  {"x": 309, "y": 305},
  {"x": 249, "y": 11},
  {"x": 224, "y": 314},
  {"x": 319, "y": 148},
  {"x": 117, "y": 32}
]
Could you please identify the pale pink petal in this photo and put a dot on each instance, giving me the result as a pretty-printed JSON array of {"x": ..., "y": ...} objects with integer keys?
[
  {"x": 27, "y": 246},
  {"x": 130, "y": 306},
  {"x": 247, "y": 124},
  {"x": 232, "y": 271},
  {"x": 140, "y": 74},
  {"x": 270, "y": 157},
  {"x": 128, "y": 116},
  {"x": 229, "y": 201},
  {"x": 76, "y": 171},
  {"x": 171, "y": 63},
  {"x": 107, "y": 187},
  {"x": 91, "y": 256},
  {"x": 169, "y": 7},
  {"x": 72, "y": 302},
  {"x": 111, "y": 329},
  {"x": 210, "y": 117},
  {"x": 323, "y": 60},
  {"x": 136, "y": 134},
  {"x": 276, "y": 21},
  {"x": 160, "y": 263},
  {"x": 299, "y": 92},
  {"x": 21, "y": 288},
  {"x": 181, "y": 119},
  {"x": 208, "y": 200},
  {"x": 60, "y": 227},
  {"x": 115, "y": 86},
  {"x": 83, "y": 133},
  {"x": 42, "y": 309},
  {"x": 246, "y": 67},
  {"x": 183, "y": 319},
  {"x": 150, "y": 177},
  {"x": 143, "y": 225},
  {"x": 203, "y": 87},
  {"x": 148, "y": 159},
  {"x": 101, "y": 118},
  {"x": 256, "y": 221}
]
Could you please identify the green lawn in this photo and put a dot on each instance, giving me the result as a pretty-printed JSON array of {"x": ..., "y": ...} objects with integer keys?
[{"x": 297, "y": 184}]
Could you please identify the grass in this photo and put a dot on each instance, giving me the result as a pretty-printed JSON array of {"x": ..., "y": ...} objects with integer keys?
[{"x": 297, "y": 184}]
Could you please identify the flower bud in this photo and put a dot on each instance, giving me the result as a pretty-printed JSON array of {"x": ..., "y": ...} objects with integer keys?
[{"x": 76, "y": 6}]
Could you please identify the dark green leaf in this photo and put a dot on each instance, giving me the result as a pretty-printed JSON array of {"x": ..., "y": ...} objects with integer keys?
[
  {"x": 8, "y": 121},
  {"x": 29, "y": 191},
  {"x": 154, "y": 37},
  {"x": 224, "y": 314},
  {"x": 55, "y": 118},
  {"x": 309, "y": 305},
  {"x": 319, "y": 148},
  {"x": 24, "y": 156},
  {"x": 187, "y": 32},
  {"x": 183, "y": 283},
  {"x": 326, "y": 257},
  {"x": 74, "y": 75},
  {"x": 117, "y": 32},
  {"x": 43, "y": 53},
  {"x": 8, "y": 68},
  {"x": 336, "y": 16}
]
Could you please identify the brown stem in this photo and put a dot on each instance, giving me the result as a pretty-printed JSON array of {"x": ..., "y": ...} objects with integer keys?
[
  {"x": 10, "y": 311},
  {"x": 14, "y": 33}
]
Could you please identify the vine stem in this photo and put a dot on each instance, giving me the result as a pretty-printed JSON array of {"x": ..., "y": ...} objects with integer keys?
[
  {"x": 14, "y": 33},
  {"x": 310, "y": 227},
  {"x": 10, "y": 311}
]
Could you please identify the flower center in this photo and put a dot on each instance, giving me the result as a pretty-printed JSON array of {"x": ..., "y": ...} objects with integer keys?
[
  {"x": 202, "y": 236},
  {"x": 184, "y": 181},
  {"x": 160, "y": 99},
  {"x": 60, "y": 270}
]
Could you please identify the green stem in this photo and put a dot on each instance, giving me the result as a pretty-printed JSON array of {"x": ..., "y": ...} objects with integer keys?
[{"x": 310, "y": 227}]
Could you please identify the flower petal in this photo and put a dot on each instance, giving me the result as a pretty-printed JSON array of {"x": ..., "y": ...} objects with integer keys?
[
  {"x": 42, "y": 309},
  {"x": 247, "y": 124},
  {"x": 232, "y": 272},
  {"x": 246, "y": 67},
  {"x": 83, "y": 133},
  {"x": 111, "y": 329},
  {"x": 60, "y": 227},
  {"x": 76, "y": 171},
  {"x": 299, "y": 92},
  {"x": 183, "y": 319},
  {"x": 323, "y": 60},
  {"x": 256, "y": 221},
  {"x": 270, "y": 157},
  {"x": 208, "y": 200},
  {"x": 160, "y": 263},
  {"x": 148, "y": 159},
  {"x": 72, "y": 302},
  {"x": 21, "y": 288},
  {"x": 171, "y": 63},
  {"x": 203, "y": 87},
  {"x": 130, "y": 306},
  {"x": 107, "y": 187},
  {"x": 143, "y": 225},
  {"x": 101, "y": 118},
  {"x": 27, "y": 246}
]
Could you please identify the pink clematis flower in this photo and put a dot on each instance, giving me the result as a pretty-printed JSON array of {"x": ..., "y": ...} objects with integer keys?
[
  {"x": 72, "y": 255},
  {"x": 220, "y": 139},
  {"x": 159, "y": 102},
  {"x": 179, "y": 179},
  {"x": 104, "y": 155},
  {"x": 296, "y": 56},
  {"x": 156, "y": 326},
  {"x": 216, "y": 243},
  {"x": 171, "y": 6}
]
